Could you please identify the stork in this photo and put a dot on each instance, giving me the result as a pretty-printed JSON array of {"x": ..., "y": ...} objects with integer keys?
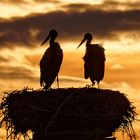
[
  {"x": 51, "y": 61},
  {"x": 94, "y": 60}
]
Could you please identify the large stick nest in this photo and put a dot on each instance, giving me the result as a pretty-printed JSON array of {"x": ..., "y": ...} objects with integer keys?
[{"x": 86, "y": 111}]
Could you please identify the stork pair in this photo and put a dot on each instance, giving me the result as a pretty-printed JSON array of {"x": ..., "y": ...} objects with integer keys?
[{"x": 94, "y": 61}]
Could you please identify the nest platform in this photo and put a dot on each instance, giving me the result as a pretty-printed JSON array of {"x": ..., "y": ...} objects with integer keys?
[{"x": 67, "y": 113}]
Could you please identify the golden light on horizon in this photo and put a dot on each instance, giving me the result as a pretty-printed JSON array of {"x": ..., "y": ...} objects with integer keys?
[{"x": 113, "y": 23}]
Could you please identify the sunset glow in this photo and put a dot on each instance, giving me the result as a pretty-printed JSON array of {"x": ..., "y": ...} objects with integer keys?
[{"x": 115, "y": 24}]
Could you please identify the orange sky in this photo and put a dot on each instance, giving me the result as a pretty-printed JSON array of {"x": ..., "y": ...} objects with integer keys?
[{"x": 114, "y": 23}]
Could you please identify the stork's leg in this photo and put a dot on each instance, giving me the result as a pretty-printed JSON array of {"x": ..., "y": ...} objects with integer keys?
[
  {"x": 57, "y": 81},
  {"x": 90, "y": 86},
  {"x": 93, "y": 84}
]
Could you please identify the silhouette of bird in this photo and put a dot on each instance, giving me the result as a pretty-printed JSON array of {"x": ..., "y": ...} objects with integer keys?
[
  {"x": 94, "y": 60},
  {"x": 51, "y": 61}
]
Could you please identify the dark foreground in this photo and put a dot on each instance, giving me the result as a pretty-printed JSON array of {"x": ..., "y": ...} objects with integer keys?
[{"x": 70, "y": 114}]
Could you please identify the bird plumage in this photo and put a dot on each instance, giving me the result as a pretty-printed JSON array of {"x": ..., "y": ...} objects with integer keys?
[
  {"x": 51, "y": 61},
  {"x": 94, "y": 60}
]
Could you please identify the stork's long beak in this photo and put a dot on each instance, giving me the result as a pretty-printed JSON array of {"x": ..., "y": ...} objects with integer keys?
[
  {"x": 81, "y": 42},
  {"x": 48, "y": 37}
]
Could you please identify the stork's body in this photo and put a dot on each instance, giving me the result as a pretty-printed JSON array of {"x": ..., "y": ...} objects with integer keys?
[
  {"x": 50, "y": 62},
  {"x": 94, "y": 60}
]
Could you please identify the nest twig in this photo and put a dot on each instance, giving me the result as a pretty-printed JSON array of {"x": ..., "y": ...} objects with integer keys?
[{"x": 72, "y": 110}]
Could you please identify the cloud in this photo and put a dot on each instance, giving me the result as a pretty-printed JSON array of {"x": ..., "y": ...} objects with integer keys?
[
  {"x": 13, "y": 2},
  {"x": 13, "y": 73},
  {"x": 117, "y": 67},
  {"x": 124, "y": 87},
  {"x": 34, "y": 28},
  {"x": 2, "y": 59},
  {"x": 13, "y": 78},
  {"x": 72, "y": 79},
  {"x": 26, "y": 2},
  {"x": 48, "y": 1},
  {"x": 120, "y": 4},
  {"x": 107, "y": 5}
]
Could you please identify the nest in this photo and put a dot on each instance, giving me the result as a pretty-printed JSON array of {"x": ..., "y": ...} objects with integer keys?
[{"x": 83, "y": 111}]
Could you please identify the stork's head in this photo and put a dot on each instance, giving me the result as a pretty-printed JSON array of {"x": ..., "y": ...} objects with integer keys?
[
  {"x": 88, "y": 37},
  {"x": 52, "y": 35}
]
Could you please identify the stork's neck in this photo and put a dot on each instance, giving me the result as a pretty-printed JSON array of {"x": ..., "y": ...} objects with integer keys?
[
  {"x": 88, "y": 42},
  {"x": 51, "y": 41}
]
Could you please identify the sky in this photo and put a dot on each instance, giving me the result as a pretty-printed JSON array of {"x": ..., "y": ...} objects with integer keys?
[{"x": 115, "y": 24}]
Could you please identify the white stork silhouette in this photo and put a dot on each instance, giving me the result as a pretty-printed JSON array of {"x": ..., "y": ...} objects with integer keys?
[
  {"x": 94, "y": 60},
  {"x": 51, "y": 61}
]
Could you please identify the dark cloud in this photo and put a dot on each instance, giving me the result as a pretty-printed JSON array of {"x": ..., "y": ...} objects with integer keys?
[
  {"x": 48, "y": 1},
  {"x": 9, "y": 72},
  {"x": 26, "y": 2},
  {"x": 109, "y": 4},
  {"x": 78, "y": 7},
  {"x": 13, "y": 1},
  {"x": 71, "y": 24},
  {"x": 106, "y": 5},
  {"x": 2, "y": 59}
]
